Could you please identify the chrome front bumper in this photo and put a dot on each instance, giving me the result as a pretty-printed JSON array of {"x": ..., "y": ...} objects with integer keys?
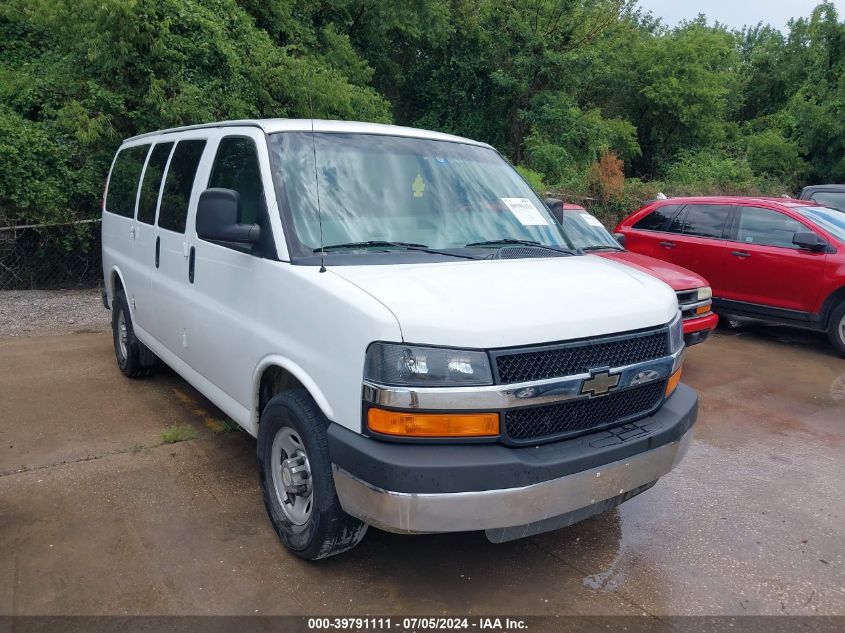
[{"x": 508, "y": 507}]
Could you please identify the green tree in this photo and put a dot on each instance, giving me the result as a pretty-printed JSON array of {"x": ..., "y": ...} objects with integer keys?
[
  {"x": 815, "y": 118},
  {"x": 77, "y": 76},
  {"x": 689, "y": 77}
]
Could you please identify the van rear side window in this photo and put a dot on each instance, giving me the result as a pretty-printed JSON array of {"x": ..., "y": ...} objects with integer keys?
[
  {"x": 123, "y": 182},
  {"x": 173, "y": 210},
  {"x": 152, "y": 182}
]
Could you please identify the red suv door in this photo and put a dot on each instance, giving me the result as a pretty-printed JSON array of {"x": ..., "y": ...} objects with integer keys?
[
  {"x": 764, "y": 267},
  {"x": 645, "y": 235},
  {"x": 699, "y": 244}
]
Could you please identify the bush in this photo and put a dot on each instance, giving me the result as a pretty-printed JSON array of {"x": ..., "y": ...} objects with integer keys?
[
  {"x": 772, "y": 156},
  {"x": 607, "y": 178},
  {"x": 533, "y": 178},
  {"x": 708, "y": 171}
]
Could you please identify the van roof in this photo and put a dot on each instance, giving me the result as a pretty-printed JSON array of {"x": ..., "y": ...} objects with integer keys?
[{"x": 270, "y": 126}]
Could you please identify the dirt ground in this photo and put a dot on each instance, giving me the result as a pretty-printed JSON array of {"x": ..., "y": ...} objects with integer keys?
[{"x": 98, "y": 516}]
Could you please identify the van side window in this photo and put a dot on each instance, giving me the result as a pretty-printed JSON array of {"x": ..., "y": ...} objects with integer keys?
[
  {"x": 152, "y": 182},
  {"x": 123, "y": 182},
  {"x": 657, "y": 219},
  {"x": 236, "y": 167},
  {"x": 173, "y": 210},
  {"x": 767, "y": 227}
]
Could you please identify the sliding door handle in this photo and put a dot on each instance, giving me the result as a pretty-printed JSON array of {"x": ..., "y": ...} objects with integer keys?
[
  {"x": 158, "y": 250},
  {"x": 192, "y": 258}
]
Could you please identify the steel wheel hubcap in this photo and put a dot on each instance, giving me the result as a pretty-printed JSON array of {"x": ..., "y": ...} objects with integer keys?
[
  {"x": 121, "y": 333},
  {"x": 292, "y": 476}
]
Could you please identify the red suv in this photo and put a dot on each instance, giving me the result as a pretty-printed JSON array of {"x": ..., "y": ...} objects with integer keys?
[
  {"x": 694, "y": 296},
  {"x": 771, "y": 259}
]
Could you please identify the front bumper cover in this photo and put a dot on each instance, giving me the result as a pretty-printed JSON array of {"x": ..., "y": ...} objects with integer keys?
[{"x": 413, "y": 488}]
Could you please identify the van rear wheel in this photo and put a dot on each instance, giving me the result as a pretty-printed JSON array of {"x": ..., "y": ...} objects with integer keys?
[
  {"x": 133, "y": 357},
  {"x": 836, "y": 328},
  {"x": 297, "y": 485}
]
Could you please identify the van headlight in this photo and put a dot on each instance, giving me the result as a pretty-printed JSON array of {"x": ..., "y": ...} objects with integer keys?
[
  {"x": 419, "y": 366},
  {"x": 676, "y": 334},
  {"x": 676, "y": 344}
]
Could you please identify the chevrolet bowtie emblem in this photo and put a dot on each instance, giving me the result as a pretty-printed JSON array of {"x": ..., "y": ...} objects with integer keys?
[{"x": 599, "y": 384}]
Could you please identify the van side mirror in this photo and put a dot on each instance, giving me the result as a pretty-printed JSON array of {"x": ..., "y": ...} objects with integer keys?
[
  {"x": 556, "y": 207},
  {"x": 809, "y": 241},
  {"x": 620, "y": 237},
  {"x": 217, "y": 218}
]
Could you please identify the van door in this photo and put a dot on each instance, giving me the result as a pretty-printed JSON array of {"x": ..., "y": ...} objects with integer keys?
[
  {"x": 227, "y": 286},
  {"x": 145, "y": 252},
  {"x": 170, "y": 279},
  {"x": 119, "y": 217}
]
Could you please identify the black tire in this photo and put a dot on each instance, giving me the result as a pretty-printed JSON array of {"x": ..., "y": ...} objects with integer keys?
[
  {"x": 836, "y": 328},
  {"x": 328, "y": 530},
  {"x": 134, "y": 359}
]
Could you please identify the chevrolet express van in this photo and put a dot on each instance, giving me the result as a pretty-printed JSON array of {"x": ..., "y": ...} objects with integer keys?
[{"x": 400, "y": 322}]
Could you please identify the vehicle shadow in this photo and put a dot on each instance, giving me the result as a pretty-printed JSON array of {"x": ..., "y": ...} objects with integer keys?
[{"x": 779, "y": 335}]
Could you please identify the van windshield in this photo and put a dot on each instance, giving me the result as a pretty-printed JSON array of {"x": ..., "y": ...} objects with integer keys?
[{"x": 380, "y": 193}]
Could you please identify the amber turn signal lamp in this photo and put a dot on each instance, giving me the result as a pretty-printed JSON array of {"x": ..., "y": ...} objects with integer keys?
[
  {"x": 672, "y": 384},
  {"x": 433, "y": 424},
  {"x": 703, "y": 309}
]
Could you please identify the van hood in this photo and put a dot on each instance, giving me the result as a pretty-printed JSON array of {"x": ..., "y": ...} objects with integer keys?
[{"x": 502, "y": 303}]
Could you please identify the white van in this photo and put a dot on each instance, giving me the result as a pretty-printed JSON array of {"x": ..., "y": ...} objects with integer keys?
[{"x": 399, "y": 320}]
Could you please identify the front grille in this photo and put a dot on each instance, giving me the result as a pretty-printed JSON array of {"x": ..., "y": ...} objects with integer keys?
[
  {"x": 687, "y": 296},
  {"x": 579, "y": 416},
  {"x": 579, "y": 358}
]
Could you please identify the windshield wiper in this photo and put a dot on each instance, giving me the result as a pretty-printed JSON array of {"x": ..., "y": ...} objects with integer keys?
[
  {"x": 506, "y": 241},
  {"x": 411, "y": 246},
  {"x": 369, "y": 243},
  {"x": 601, "y": 247}
]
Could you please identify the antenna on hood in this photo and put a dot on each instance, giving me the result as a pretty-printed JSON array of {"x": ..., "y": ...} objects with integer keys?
[{"x": 316, "y": 179}]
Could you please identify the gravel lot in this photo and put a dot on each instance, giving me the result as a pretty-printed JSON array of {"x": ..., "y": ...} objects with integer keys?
[{"x": 39, "y": 312}]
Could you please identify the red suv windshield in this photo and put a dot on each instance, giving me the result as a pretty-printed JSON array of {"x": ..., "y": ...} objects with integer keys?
[{"x": 830, "y": 220}]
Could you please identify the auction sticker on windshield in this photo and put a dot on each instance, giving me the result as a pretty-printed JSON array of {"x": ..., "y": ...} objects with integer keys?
[
  {"x": 525, "y": 211},
  {"x": 591, "y": 219}
]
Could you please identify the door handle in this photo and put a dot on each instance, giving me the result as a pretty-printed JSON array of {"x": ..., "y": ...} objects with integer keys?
[
  {"x": 742, "y": 254},
  {"x": 191, "y": 259},
  {"x": 158, "y": 250},
  {"x": 668, "y": 244}
]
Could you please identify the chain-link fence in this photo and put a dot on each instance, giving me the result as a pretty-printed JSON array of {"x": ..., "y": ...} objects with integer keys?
[{"x": 50, "y": 256}]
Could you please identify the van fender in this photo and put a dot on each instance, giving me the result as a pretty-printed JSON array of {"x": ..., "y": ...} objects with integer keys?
[
  {"x": 297, "y": 372},
  {"x": 111, "y": 288}
]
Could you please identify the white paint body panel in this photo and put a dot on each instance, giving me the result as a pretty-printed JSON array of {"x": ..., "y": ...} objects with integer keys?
[
  {"x": 509, "y": 302},
  {"x": 243, "y": 314}
]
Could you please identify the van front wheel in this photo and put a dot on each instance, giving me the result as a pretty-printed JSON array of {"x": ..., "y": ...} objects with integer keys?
[{"x": 296, "y": 479}]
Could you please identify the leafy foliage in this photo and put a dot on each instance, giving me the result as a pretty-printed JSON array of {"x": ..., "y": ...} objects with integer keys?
[
  {"x": 77, "y": 76},
  {"x": 596, "y": 99}
]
